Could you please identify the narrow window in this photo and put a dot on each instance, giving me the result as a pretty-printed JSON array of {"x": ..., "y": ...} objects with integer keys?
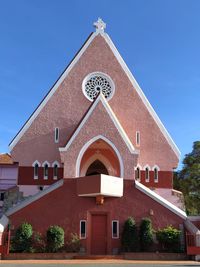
[
  {"x": 82, "y": 229},
  {"x": 55, "y": 172},
  {"x": 115, "y": 229},
  {"x": 46, "y": 171},
  {"x": 56, "y": 135},
  {"x": 2, "y": 196},
  {"x": 137, "y": 174},
  {"x": 138, "y": 138},
  {"x": 147, "y": 174},
  {"x": 36, "y": 171},
  {"x": 156, "y": 175}
]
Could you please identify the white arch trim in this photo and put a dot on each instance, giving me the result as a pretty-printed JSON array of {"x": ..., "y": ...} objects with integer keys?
[
  {"x": 156, "y": 167},
  {"x": 100, "y": 157},
  {"x": 55, "y": 163},
  {"x": 36, "y": 162},
  {"x": 138, "y": 166},
  {"x": 146, "y": 166},
  {"x": 45, "y": 162},
  {"x": 84, "y": 148}
]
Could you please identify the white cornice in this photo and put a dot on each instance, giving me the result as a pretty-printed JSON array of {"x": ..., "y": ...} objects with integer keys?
[
  {"x": 111, "y": 114},
  {"x": 128, "y": 73},
  {"x": 141, "y": 94},
  {"x": 160, "y": 200}
]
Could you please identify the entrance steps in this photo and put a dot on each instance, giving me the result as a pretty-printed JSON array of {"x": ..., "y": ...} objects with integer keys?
[{"x": 99, "y": 257}]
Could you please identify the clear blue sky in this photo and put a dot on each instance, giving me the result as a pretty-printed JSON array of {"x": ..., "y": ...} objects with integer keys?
[{"x": 158, "y": 39}]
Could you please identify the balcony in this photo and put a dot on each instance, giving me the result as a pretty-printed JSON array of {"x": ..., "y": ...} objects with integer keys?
[{"x": 100, "y": 185}]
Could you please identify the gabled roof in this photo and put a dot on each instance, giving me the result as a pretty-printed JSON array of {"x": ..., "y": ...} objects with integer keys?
[
  {"x": 114, "y": 119},
  {"x": 6, "y": 159},
  {"x": 129, "y": 75}
]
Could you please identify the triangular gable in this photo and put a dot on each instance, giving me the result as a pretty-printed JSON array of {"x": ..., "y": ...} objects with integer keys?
[
  {"x": 129, "y": 75},
  {"x": 112, "y": 116}
]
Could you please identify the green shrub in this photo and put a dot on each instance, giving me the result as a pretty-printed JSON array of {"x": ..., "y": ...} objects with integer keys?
[
  {"x": 22, "y": 240},
  {"x": 169, "y": 238},
  {"x": 129, "y": 240},
  {"x": 74, "y": 244},
  {"x": 55, "y": 238},
  {"x": 38, "y": 243},
  {"x": 146, "y": 234}
]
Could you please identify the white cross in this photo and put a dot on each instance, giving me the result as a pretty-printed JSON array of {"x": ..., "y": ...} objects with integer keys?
[{"x": 99, "y": 25}]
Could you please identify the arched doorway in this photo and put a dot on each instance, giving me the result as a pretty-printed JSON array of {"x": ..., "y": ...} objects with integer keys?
[
  {"x": 99, "y": 156},
  {"x": 97, "y": 167}
]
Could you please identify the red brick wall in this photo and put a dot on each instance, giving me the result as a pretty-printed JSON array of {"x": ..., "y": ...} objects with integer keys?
[
  {"x": 63, "y": 207},
  {"x": 165, "y": 179},
  {"x": 26, "y": 176}
]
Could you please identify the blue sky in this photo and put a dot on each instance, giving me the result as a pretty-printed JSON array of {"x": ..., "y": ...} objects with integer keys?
[{"x": 158, "y": 39}]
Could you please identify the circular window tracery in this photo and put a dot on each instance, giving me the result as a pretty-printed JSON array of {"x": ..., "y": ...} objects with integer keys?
[{"x": 95, "y": 83}]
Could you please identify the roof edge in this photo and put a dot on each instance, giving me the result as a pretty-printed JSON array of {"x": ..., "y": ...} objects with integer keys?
[{"x": 160, "y": 200}]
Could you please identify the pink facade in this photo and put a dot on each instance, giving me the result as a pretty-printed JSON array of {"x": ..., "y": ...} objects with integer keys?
[{"x": 98, "y": 147}]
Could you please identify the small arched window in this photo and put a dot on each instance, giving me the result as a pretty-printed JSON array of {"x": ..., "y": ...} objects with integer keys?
[
  {"x": 55, "y": 171},
  {"x": 137, "y": 174},
  {"x": 156, "y": 169},
  {"x": 147, "y": 174},
  {"x": 36, "y": 166},
  {"x": 45, "y": 166}
]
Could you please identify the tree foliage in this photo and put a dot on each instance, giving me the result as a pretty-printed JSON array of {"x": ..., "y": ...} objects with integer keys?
[
  {"x": 23, "y": 238},
  {"x": 55, "y": 238},
  {"x": 146, "y": 234},
  {"x": 129, "y": 240},
  {"x": 188, "y": 180}
]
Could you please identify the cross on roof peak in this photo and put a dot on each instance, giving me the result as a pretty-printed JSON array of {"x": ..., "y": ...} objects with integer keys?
[{"x": 100, "y": 25}]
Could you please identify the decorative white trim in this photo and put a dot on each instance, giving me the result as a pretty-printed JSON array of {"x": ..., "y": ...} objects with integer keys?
[
  {"x": 128, "y": 73},
  {"x": 100, "y": 157},
  {"x": 85, "y": 236},
  {"x": 160, "y": 200},
  {"x": 155, "y": 167},
  {"x": 98, "y": 73},
  {"x": 84, "y": 148},
  {"x": 141, "y": 94},
  {"x": 146, "y": 166},
  {"x": 56, "y": 163},
  {"x": 140, "y": 168},
  {"x": 36, "y": 162},
  {"x": 115, "y": 237},
  {"x": 33, "y": 198},
  {"x": 56, "y": 134},
  {"x": 46, "y": 162},
  {"x": 43, "y": 165},
  {"x": 3, "y": 223},
  {"x": 51, "y": 92},
  {"x": 113, "y": 118}
]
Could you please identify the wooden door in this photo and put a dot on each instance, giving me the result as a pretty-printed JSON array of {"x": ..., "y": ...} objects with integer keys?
[{"x": 99, "y": 234}]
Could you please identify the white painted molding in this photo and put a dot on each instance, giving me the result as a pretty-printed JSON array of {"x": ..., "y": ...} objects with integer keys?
[
  {"x": 138, "y": 166},
  {"x": 142, "y": 95},
  {"x": 51, "y": 92},
  {"x": 56, "y": 163},
  {"x": 117, "y": 124},
  {"x": 147, "y": 166},
  {"x": 31, "y": 199},
  {"x": 160, "y": 200},
  {"x": 46, "y": 162},
  {"x": 91, "y": 141},
  {"x": 156, "y": 167},
  {"x": 3, "y": 223},
  {"x": 36, "y": 162},
  {"x": 128, "y": 73},
  {"x": 115, "y": 237},
  {"x": 85, "y": 236}
]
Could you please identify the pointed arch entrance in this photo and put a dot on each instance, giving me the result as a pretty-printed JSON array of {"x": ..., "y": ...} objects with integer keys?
[{"x": 99, "y": 155}]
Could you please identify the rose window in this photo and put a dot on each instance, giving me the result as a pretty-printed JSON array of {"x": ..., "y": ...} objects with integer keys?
[{"x": 95, "y": 83}]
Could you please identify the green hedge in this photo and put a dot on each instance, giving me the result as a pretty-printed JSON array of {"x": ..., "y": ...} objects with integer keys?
[
  {"x": 129, "y": 240},
  {"x": 55, "y": 238},
  {"x": 146, "y": 234}
]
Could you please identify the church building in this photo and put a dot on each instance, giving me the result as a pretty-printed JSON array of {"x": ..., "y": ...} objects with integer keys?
[{"x": 94, "y": 152}]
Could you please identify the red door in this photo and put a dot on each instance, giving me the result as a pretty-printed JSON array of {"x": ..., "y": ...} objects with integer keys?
[{"x": 99, "y": 234}]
